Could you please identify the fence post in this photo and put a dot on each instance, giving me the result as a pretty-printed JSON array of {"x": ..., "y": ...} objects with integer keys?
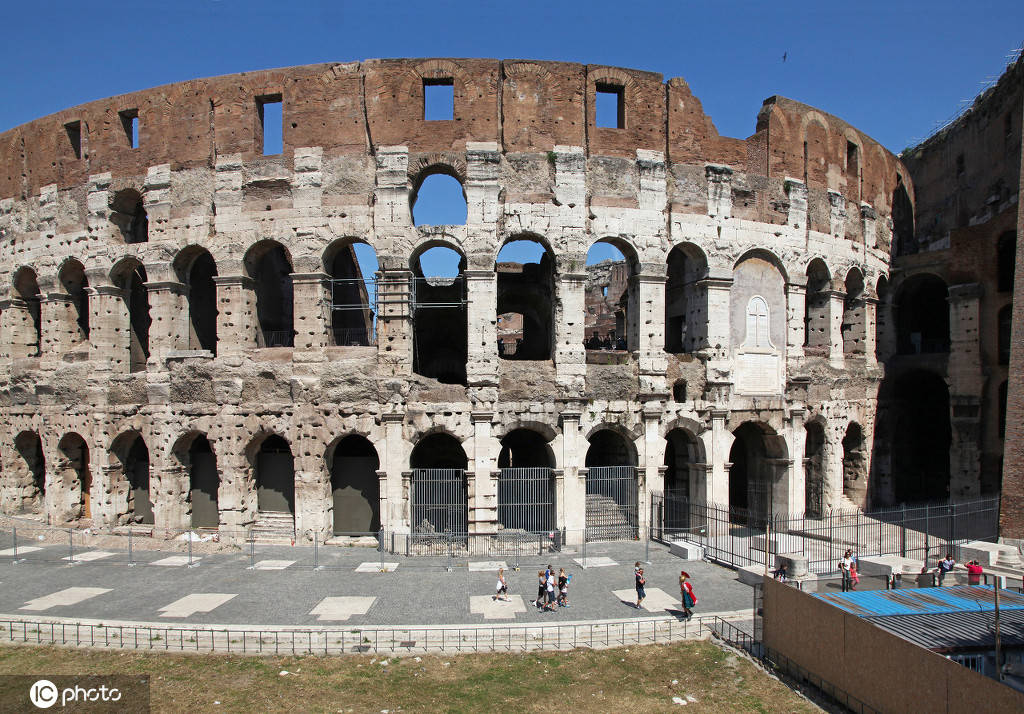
[
  {"x": 130, "y": 562},
  {"x": 71, "y": 546},
  {"x": 190, "y": 563},
  {"x": 14, "y": 535},
  {"x": 952, "y": 528},
  {"x": 316, "y": 551},
  {"x": 903, "y": 531},
  {"x": 380, "y": 548},
  {"x": 647, "y": 547},
  {"x": 252, "y": 552}
]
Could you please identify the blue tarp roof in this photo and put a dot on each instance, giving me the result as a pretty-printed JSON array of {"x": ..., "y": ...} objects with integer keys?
[{"x": 923, "y": 601}]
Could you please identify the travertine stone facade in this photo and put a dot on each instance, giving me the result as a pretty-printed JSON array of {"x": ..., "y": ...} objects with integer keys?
[{"x": 90, "y": 367}]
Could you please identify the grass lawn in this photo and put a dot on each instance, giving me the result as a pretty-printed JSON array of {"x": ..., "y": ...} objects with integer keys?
[{"x": 629, "y": 679}]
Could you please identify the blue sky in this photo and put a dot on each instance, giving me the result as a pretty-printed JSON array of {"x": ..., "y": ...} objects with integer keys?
[{"x": 895, "y": 70}]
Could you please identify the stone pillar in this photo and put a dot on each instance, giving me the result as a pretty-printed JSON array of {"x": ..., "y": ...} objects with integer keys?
[
  {"x": 237, "y": 323},
  {"x": 307, "y": 178},
  {"x": 836, "y": 305},
  {"x": 651, "y": 474},
  {"x": 570, "y": 314},
  {"x": 312, "y": 315},
  {"x": 796, "y": 327},
  {"x": 651, "y": 325},
  {"x": 109, "y": 328},
  {"x": 169, "y": 489},
  {"x": 481, "y": 319},
  {"x": 60, "y": 326},
  {"x": 483, "y": 165},
  {"x": 870, "y": 323},
  {"x": 394, "y": 322},
  {"x": 797, "y": 192},
  {"x": 795, "y": 475},
  {"x": 721, "y": 444},
  {"x": 109, "y": 494},
  {"x": 394, "y": 507},
  {"x": 312, "y": 494},
  {"x": 236, "y": 497},
  {"x": 168, "y": 309},
  {"x": 572, "y": 499},
  {"x": 782, "y": 478},
  {"x": 19, "y": 328},
  {"x": 718, "y": 290},
  {"x": 391, "y": 196},
  {"x": 483, "y": 481},
  {"x": 966, "y": 382}
]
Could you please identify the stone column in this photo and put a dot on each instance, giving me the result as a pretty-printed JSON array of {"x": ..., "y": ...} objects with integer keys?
[
  {"x": 481, "y": 319},
  {"x": 870, "y": 322},
  {"x": 482, "y": 482},
  {"x": 796, "y": 476},
  {"x": 236, "y": 497},
  {"x": 651, "y": 476},
  {"x": 572, "y": 500},
  {"x": 651, "y": 325},
  {"x": 394, "y": 322},
  {"x": 109, "y": 494},
  {"x": 109, "y": 328},
  {"x": 796, "y": 328},
  {"x": 966, "y": 381},
  {"x": 20, "y": 330},
  {"x": 721, "y": 443},
  {"x": 394, "y": 507},
  {"x": 60, "y": 326},
  {"x": 718, "y": 290},
  {"x": 782, "y": 478},
  {"x": 836, "y": 305},
  {"x": 169, "y": 486},
  {"x": 312, "y": 315},
  {"x": 237, "y": 324},
  {"x": 168, "y": 309},
  {"x": 570, "y": 314}
]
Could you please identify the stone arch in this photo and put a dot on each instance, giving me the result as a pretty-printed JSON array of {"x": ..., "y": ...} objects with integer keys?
[
  {"x": 817, "y": 335},
  {"x": 197, "y": 458},
  {"x": 75, "y": 476},
  {"x": 526, "y": 447},
  {"x": 612, "y": 484},
  {"x": 30, "y": 473},
  {"x": 426, "y": 169},
  {"x": 439, "y": 316},
  {"x": 75, "y": 321},
  {"x": 130, "y": 455},
  {"x": 272, "y": 464},
  {"x": 352, "y": 463},
  {"x": 352, "y": 294},
  {"x": 546, "y": 431},
  {"x": 27, "y": 332},
  {"x": 128, "y": 213},
  {"x": 686, "y": 309},
  {"x": 196, "y": 270},
  {"x": 855, "y": 479},
  {"x": 626, "y": 305},
  {"x": 525, "y": 304},
  {"x": 854, "y": 323},
  {"x": 684, "y": 462},
  {"x": 922, "y": 315},
  {"x": 439, "y": 499},
  {"x": 129, "y": 274},
  {"x": 526, "y": 481},
  {"x": 756, "y": 459},
  {"x": 269, "y": 264}
]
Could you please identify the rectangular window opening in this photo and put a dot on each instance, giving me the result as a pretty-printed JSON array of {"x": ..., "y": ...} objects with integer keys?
[
  {"x": 130, "y": 122},
  {"x": 271, "y": 124},
  {"x": 74, "y": 131},
  {"x": 609, "y": 106},
  {"x": 438, "y": 99}
]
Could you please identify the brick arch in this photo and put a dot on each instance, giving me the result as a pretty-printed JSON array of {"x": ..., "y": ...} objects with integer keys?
[
  {"x": 445, "y": 162},
  {"x": 617, "y": 77}
]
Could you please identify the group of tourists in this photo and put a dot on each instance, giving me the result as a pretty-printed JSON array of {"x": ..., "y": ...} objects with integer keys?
[
  {"x": 946, "y": 565},
  {"x": 553, "y": 591},
  {"x": 848, "y": 569}
]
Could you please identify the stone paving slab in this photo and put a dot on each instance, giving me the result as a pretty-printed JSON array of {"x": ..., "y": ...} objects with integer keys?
[
  {"x": 657, "y": 599},
  {"x": 89, "y": 556},
  {"x": 376, "y": 567},
  {"x": 595, "y": 562},
  {"x": 492, "y": 609},
  {"x": 339, "y": 609},
  {"x": 196, "y": 602},
  {"x": 22, "y": 550},
  {"x": 480, "y": 566},
  {"x": 175, "y": 561},
  {"x": 63, "y": 598},
  {"x": 273, "y": 564}
]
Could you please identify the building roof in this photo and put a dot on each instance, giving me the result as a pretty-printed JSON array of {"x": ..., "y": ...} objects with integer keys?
[{"x": 961, "y": 598}]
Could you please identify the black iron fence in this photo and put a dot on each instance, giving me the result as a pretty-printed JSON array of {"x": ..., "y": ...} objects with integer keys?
[
  {"x": 739, "y": 537},
  {"x": 612, "y": 499}
]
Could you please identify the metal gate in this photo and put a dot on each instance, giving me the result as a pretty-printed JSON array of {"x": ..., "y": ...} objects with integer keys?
[
  {"x": 612, "y": 503},
  {"x": 526, "y": 499},
  {"x": 438, "y": 501}
]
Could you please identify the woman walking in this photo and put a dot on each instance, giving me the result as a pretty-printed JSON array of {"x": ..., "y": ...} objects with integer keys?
[
  {"x": 502, "y": 587},
  {"x": 641, "y": 582},
  {"x": 542, "y": 586},
  {"x": 686, "y": 593},
  {"x": 563, "y": 588}
]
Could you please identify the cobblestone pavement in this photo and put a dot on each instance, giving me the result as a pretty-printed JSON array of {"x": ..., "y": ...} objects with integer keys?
[{"x": 285, "y": 589}]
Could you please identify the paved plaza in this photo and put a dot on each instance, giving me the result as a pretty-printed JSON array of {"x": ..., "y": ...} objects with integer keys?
[{"x": 279, "y": 585}]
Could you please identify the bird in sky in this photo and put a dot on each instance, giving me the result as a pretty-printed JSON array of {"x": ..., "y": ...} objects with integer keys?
[{"x": 784, "y": 55}]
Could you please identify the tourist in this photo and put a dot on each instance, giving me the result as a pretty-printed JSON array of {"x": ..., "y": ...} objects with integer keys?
[
  {"x": 541, "y": 588},
  {"x": 502, "y": 587},
  {"x": 563, "y": 588},
  {"x": 549, "y": 589},
  {"x": 854, "y": 577},
  {"x": 641, "y": 581},
  {"x": 686, "y": 594},
  {"x": 844, "y": 568},
  {"x": 945, "y": 566},
  {"x": 974, "y": 572},
  {"x": 780, "y": 573}
]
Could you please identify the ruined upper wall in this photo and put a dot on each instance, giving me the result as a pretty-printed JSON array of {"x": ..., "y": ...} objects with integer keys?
[{"x": 522, "y": 105}]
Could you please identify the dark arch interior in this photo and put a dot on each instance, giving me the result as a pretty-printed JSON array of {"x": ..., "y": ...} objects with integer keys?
[
  {"x": 1004, "y": 327},
  {"x": 439, "y": 498},
  {"x": 355, "y": 486},
  {"x": 74, "y": 282},
  {"x": 133, "y": 284},
  {"x": 135, "y": 464},
  {"x": 30, "y": 448},
  {"x": 438, "y": 451},
  {"x": 854, "y": 474},
  {"x": 921, "y": 437},
  {"x": 202, "y": 303},
  {"x": 524, "y": 448},
  {"x": 26, "y": 286},
  {"x": 526, "y": 492},
  {"x": 902, "y": 221},
  {"x": 274, "y": 294},
  {"x": 922, "y": 316},
  {"x": 525, "y": 300},
  {"x": 814, "y": 469},
  {"x": 685, "y": 312},
  {"x": 439, "y": 318},
  {"x": 204, "y": 483},
  {"x": 129, "y": 215},
  {"x": 751, "y": 474},
  {"x": 682, "y": 453},
  {"x": 275, "y": 476},
  {"x": 609, "y": 448},
  {"x": 351, "y": 312},
  {"x": 75, "y": 455}
]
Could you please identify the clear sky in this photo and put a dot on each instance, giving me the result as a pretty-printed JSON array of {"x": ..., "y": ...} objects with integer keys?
[{"x": 895, "y": 70}]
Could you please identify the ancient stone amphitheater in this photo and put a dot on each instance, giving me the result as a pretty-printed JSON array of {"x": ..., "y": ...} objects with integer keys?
[{"x": 187, "y": 338}]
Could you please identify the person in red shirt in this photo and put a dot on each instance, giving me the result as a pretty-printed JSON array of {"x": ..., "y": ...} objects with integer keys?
[
  {"x": 974, "y": 571},
  {"x": 686, "y": 592}
]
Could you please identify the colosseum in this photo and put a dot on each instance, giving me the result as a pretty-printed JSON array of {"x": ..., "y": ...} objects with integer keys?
[{"x": 189, "y": 341}]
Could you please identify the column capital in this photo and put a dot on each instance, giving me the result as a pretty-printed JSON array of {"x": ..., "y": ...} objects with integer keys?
[
  {"x": 171, "y": 286},
  {"x": 392, "y": 417},
  {"x": 478, "y": 417},
  {"x": 479, "y": 274},
  {"x": 299, "y": 278},
  {"x": 232, "y": 280},
  {"x": 715, "y": 282}
]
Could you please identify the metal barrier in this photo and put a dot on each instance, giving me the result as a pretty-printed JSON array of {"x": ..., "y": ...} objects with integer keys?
[{"x": 612, "y": 498}]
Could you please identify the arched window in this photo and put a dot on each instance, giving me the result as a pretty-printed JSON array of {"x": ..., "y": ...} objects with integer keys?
[
  {"x": 267, "y": 263},
  {"x": 352, "y": 267},
  {"x": 439, "y": 315},
  {"x": 75, "y": 284},
  {"x": 685, "y": 300},
  {"x": 757, "y": 324},
  {"x": 526, "y": 292},
  {"x": 130, "y": 277},
  {"x": 28, "y": 331},
  {"x": 611, "y": 296},
  {"x": 196, "y": 269},
  {"x": 438, "y": 199},
  {"x": 853, "y": 314},
  {"x": 816, "y": 308}
]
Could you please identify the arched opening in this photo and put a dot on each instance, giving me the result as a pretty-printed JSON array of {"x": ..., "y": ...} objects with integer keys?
[
  {"x": 817, "y": 337},
  {"x": 1005, "y": 323},
  {"x": 128, "y": 213},
  {"x": 612, "y": 488},
  {"x": 352, "y": 267},
  {"x": 754, "y": 455},
  {"x": 204, "y": 483},
  {"x": 196, "y": 270},
  {"x": 611, "y": 296},
  {"x": 686, "y": 312},
  {"x": 75, "y": 284},
  {"x": 922, "y": 316},
  {"x": 684, "y": 479},
  {"x": 439, "y": 500},
  {"x": 438, "y": 199},
  {"x": 921, "y": 437},
  {"x": 268, "y": 264},
  {"x": 855, "y": 477},
  {"x": 526, "y": 295},
  {"x": 853, "y": 326},
  {"x": 439, "y": 314},
  {"x": 74, "y": 472},
  {"x": 133, "y": 456},
  {"x": 1006, "y": 260},
  {"x": 904, "y": 242},
  {"x": 814, "y": 470},
  {"x": 28, "y": 334},
  {"x": 130, "y": 277},
  {"x": 31, "y": 474},
  {"x": 883, "y": 317},
  {"x": 274, "y": 475},
  {"x": 526, "y": 486},
  {"x": 355, "y": 486}
]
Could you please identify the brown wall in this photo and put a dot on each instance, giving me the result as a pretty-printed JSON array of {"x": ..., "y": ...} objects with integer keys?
[
  {"x": 884, "y": 671},
  {"x": 1011, "y": 506}
]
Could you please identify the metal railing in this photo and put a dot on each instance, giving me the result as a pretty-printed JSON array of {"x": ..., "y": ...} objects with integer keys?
[
  {"x": 526, "y": 499},
  {"x": 612, "y": 509},
  {"x": 278, "y": 338}
]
